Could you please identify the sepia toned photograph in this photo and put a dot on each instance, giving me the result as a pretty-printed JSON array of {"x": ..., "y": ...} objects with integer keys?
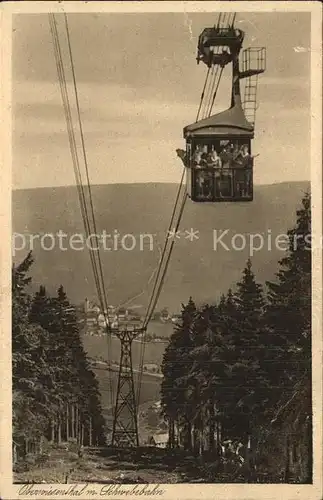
[{"x": 162, "y": 250}]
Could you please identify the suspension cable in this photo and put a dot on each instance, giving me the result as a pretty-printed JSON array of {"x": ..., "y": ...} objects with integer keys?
[
  {"x": 225, "y": 20},
  {"x": 168, "y": 259},
  {"x": 203, "y": 92},
  {"x": 153, "y": 301},
  {"x": 86, "y": 169},
  {"x": 209, "y": 103},
  {"x": 216, "y": 90},
  {"x": 175, "y": 205},
  {"x": 158, "y": 295},
  {"x": 208, "y": 92},
  {"x": 73, "y": 148},
  {"x": 154, "y": 297},
  {"x": 225, "y": 14},
  {"x": 75, "y": 160},
  {"x": 165, "y": 247},
  {"x": 102, "y": 280},
  {"x": 219, "y": 20}
]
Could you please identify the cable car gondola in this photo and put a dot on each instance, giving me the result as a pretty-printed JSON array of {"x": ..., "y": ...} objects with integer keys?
[{"x": 218, "y": 157}]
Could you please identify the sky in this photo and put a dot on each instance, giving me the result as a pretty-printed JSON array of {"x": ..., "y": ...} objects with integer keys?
[{"x": 139, "y": 85}]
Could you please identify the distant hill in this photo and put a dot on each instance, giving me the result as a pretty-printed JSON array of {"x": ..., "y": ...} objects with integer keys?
[{"x": 196, "y": 268}]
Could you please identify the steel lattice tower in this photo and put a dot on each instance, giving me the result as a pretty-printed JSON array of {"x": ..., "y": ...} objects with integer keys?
[{"x": 125, "y": 425}]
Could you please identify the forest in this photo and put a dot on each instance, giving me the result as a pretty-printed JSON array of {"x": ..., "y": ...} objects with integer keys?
[
  {"x": 55, "y": 393},
  {"x": 239, "y": 371},
  {"x": 236, "y": 374}
]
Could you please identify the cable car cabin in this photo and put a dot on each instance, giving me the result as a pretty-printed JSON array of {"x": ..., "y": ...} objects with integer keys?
[{"x": 218, "y": 157}]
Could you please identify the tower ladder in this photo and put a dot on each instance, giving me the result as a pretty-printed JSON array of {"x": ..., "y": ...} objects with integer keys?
[{"x": 250, "y": 98}]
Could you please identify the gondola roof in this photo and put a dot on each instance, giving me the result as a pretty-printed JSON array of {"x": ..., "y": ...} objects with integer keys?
[{"x": 229, "y": 122}]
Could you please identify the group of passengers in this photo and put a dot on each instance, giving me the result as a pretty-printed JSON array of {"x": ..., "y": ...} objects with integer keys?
[{"x": 231, "y": 155}]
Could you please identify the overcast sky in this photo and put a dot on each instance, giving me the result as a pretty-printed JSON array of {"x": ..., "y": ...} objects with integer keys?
[{"x": 139, "y": 85}]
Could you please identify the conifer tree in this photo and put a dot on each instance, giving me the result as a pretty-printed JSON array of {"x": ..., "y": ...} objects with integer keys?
[
  {"x": 208, "y": 371},
  {"x": 288, "y": 318},
  {"x": 289, "y": 311},
  {"x": 175, "y": 369},
  {"x": 30, "y": 408},
  {"x": 248, "y": 381},
  {"x": 55, "y": 394}
]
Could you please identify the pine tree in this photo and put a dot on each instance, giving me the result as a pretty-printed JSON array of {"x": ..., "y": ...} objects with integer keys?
[
  {"x": 289, "y": 311},
  {"x": 175, "y": 369},
  {"x": 29, "y": 395},
  {"x": 55, "y": 394},
  {"x": 247, "y": 378},
  {"x": 208, "y": 372},
  {"x": 86, "y": 388},
  {"x": 288, "y": 318},
  {"x": 195, "y": 382},
  {"x": 224, "y": 354}
]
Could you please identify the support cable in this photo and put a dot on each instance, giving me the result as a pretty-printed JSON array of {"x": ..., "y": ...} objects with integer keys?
[
  {"x": 71, "y": 136},
  {"x": 158, "y": 294},
  {"x": 86, "y": 169},
  {"x": 208, "y": 104},
  {"x": 203, "y": 93},
  {"x": 168, "y": 259},
  {"x": 102, "y": 280},
  {"x": 150, "y": 309},
  {"x": 165, "y": 246},
  {"x": 215, "y": 91},
  {"x": 208, "y": 92},
  {"x": 154, "y": 298},
  {"x": 76, "y": 165}
]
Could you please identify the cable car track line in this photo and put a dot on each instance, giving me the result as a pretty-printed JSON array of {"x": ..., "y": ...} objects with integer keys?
[
  {"x": 210, "y": 89},
  {"x": 169, "y": 255},
  {"x": 203, "y": 92},
  {"x": 86, "y": 165},
  {"x": 104, "y": 293},
  {"x": 158, "y": 294},
  {"x": 66, "y": 104},
  {"x": 98, "y": 274},
  {"x": 209, "y": 92},
  {"x": 151, "y": 308},
  {"x": 62, "y": 81},
  {"x": 208, "y": 106},
  {"x": 216, "y": 91},
  {"x": 165, "y": 244},
  {"x": 153, "y": 302}
]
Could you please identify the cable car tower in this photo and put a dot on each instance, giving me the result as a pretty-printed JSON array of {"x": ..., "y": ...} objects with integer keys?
[
  {"x": 125, "y": 425},
  {"x": 218, "y": 155}
]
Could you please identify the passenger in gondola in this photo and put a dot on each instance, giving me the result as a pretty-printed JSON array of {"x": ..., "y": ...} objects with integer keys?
[
  {"x": 241, "y": 158},
  {"x": 197, "y": 157},
  {"x": 225, "y": 157},
  {"x": 229, "y": 154},
  {"x": 235, "y": 151},
  {"x": 214, "y": 160},
  {"x": 245, "y": 155},
  {"x": 204, "y": 159}
]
